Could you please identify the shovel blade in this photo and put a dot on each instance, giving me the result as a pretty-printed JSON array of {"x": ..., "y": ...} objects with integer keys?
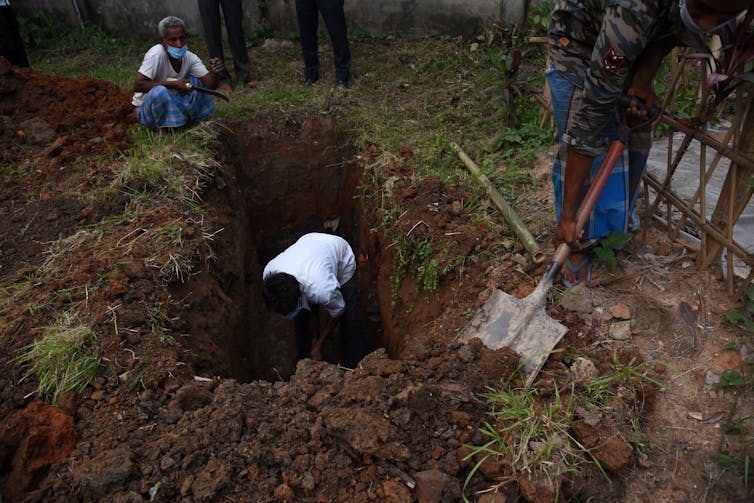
[{"x": 519, "y": 324}]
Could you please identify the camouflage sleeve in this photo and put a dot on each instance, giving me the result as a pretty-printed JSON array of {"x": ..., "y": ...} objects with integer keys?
[{"x": 622, "y": 38}]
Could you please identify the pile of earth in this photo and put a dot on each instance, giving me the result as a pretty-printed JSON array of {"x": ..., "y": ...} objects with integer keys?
[{"x": 49, "y": 125}]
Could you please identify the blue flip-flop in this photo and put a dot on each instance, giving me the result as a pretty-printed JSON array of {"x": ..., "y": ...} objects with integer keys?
[{"x": 576, "y": 269}]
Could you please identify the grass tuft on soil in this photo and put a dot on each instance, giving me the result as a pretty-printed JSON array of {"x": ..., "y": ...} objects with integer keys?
[{"x": 64, "y": 359}]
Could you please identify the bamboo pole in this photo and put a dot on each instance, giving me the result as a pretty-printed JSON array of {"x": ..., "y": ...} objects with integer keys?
[{"x": 518, "y": 226}]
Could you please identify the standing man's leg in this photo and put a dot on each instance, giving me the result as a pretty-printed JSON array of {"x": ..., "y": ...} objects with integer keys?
[
  {"x": 351, "y": 332},
  {"x": 308, "y": 20},
  {"x": 209, "y": 11},
  {"x": 233, "y": 12},
  {"x": 335, "y": 20},
  {"x": 11, "y": 45}
]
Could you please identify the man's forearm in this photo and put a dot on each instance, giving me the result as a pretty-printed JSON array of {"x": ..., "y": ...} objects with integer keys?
[{"x": 577, "y": 170}]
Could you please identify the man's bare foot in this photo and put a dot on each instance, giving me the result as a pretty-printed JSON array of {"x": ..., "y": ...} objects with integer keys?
[{"x": 577, "y": 269}]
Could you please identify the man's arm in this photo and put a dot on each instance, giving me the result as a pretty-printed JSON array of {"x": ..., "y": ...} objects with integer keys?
[
  {"x": 142, "y": 84},
  {"x": 645, "y": 69},
  {"x": 209, "y": 80},
  {"x": 319, "y": 341},
  {"x": 578, "y": 166}
]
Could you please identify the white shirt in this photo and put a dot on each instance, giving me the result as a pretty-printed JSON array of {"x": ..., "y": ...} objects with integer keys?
[
  {"x": 321, "y": 263},
  {"x": 156, "y": 66}
]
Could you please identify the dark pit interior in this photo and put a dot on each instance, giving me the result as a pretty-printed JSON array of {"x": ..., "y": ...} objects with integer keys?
[{"x": 280, "y": 178}]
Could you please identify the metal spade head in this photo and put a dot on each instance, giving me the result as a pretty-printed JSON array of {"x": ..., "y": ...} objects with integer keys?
[{"x": 519, "y": 324}]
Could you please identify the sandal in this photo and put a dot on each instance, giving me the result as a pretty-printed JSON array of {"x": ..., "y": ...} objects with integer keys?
[{"x": 575, "y": 269}]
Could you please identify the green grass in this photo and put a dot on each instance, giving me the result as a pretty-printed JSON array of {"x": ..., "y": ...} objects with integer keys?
[
  {"x": 64, "y": 359},
  {"x": 532, "y": 435}
]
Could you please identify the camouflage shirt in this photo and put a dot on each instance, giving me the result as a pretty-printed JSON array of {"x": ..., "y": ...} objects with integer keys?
[{"x": 594, "y": 44}]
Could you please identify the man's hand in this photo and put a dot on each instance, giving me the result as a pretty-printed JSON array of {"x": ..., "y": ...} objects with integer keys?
[
  {"x": 217, "y": 65},
  {"x": 565, "y": 232},
  {"x": 649, "y": 99},
  {"x": 182, "y": 85}
]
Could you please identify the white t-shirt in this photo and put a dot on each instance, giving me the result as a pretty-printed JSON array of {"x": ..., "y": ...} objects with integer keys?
[
  {"x": 156, "y": 66},
  {"x": 321, "y": 263}
]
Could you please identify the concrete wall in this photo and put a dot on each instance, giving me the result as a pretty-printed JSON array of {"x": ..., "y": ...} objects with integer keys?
[{"x": 417, "y": 17}]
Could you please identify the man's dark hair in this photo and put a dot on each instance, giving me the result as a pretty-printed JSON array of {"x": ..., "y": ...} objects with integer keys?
[{"x": 281, "y": 292}]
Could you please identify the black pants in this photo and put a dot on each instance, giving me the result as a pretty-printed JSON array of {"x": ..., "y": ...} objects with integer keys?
[
  {"x": 11, "y": 45},
  {"x": 351, "y": 334},
  {"x": 209, "y": 10},
  {"x": 307, "y": 12}
]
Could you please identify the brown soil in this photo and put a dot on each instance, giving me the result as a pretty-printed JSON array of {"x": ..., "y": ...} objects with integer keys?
[{"x": 254, "y": 427}]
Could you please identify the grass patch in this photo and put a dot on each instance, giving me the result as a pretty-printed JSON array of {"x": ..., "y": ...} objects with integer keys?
[
  {"x": 531, "y": 435},
  {"x": 64, "y": 359}
]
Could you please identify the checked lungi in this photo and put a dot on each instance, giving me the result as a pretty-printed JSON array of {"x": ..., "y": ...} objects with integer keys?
[
  {"x": 614, "y": 210},
  {"x": 164, "y": 107}
]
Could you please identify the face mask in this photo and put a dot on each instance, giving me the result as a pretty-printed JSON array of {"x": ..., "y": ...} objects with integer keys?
[
  {"x": 293, "y": 313},
  {"x": 692, "y": 25},
  {"x": 177, "y": 53}
]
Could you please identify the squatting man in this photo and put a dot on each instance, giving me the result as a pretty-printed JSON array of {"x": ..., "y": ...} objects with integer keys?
[{"x": 165, "y": 98}]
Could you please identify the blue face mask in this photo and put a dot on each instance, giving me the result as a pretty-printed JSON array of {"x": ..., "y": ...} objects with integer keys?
[
  {"x": 177, "y": 53},
  {"x": 293, "y": 313},
  {"x": 693, "y": 26}
]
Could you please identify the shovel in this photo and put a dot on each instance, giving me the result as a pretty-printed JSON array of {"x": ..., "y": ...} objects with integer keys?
[
  {"x": 213, "y": 92},
  {"x": 522, "y": 324}
]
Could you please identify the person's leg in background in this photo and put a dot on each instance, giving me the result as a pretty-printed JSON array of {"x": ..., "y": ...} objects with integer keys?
[
  {"x": 11, "y": 45},
  {"x": 335, "y": 20},
  {"x": 209, "y": 11},
  {"x": 233, "y": 13},
  {"x": 308, "y": 20}
]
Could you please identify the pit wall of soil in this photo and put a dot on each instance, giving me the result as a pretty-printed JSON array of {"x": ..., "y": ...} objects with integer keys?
[
  {"x": 405, "y": 16},
  {"x": 280, "y": 178}
]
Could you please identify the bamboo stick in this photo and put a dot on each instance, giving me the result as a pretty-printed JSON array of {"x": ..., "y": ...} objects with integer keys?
[{"x": 518, "y": 226}]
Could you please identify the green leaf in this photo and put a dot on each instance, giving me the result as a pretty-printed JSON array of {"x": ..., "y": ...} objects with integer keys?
[
  {"x": 607, "y": 255},
  {"x": 733, "y": 346},
  {"x": 616, "y": 240},
  {"x": 725, "y": 459},
  {"x": 731, "y": 378},
  {"x": 749, "y": 291},
  {"x": 732, "y": 429},
  {"x": 749, "y": 325},
  {"x": 733, "y": 316}
]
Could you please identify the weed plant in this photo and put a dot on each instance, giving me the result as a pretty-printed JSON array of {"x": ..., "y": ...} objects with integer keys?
[
  {"x": 64, "y": 359},
  {"x": 531, "y": 435}
]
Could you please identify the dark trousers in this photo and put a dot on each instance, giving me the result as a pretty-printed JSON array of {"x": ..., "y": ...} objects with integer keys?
[
  {"x": 351, "y": 334},
  {"x": 209, "y": 10},
  {"x": 307, "y": 12},
  {"x": 11, "y": 45}
]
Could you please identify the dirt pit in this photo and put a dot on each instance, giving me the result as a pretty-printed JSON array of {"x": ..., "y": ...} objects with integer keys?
[
  {"x": 197, "y": 397},
  {"x": 274, "y": 187}
]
